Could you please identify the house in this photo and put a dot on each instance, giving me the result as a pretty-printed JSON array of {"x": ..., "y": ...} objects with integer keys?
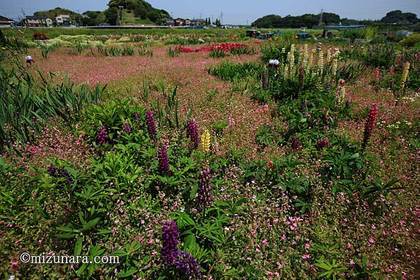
[
  {"x": 170, "y": 22},
  {"x": 34, "y": 21},
  {"x": 198, "y": 22},
  {"x": 5, "y": 22},
  {"x": 182, "y": 22},
  {"x": 179, "y": 22},
  {"x": 403, "y": 33},
  {"x": 63, "y": 20}
]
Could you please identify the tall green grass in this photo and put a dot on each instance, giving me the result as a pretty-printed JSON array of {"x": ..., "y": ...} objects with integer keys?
[
  {"x": 229, "y": 71},
  {"x": 27, "y": 103}
]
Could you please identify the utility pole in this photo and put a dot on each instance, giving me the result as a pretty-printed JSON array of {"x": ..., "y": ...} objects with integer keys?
[
  {"x": 120, "y": 15},
  {"x": 321, "y": 17}
]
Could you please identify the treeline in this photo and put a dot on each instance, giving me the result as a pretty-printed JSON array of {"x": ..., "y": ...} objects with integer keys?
[
  {"x": 59, "y": 11},
  {"x": 140, "y": 9},
  {"x": 306, "y": 20},
  {"x": 311, "y": 20}
]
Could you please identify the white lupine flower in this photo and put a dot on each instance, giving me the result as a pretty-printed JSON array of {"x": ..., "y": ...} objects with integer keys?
[
  {"x": 328, "y": 55},
  {"x": 335, "y": 66},
  {"x": 405, "y": 72},
  {"x": 305, "y": 56},
  {"x": 321, "y": 61}
]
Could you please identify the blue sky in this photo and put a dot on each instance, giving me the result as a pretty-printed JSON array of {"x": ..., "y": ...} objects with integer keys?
[{"x": 234, "y": 11}]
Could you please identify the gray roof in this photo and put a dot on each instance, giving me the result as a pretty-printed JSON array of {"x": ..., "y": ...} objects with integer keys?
[{"x": 2, "y": 18}]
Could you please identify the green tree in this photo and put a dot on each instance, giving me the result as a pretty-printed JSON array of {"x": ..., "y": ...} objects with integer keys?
[{"x": 111, "y": 15}]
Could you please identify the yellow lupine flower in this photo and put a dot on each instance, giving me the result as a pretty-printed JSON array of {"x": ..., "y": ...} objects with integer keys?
[
  {"x": 205, "y": 141},
  {"x": 405, "y": 72}
]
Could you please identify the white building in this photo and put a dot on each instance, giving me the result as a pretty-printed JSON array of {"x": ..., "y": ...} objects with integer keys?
[{"x": 62, "y": 20}]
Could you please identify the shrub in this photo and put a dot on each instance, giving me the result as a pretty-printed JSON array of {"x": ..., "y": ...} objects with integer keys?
[
  {"x": 275, "y": 50},
  {"x": 411, "y": 41},
  {"x": 112, "y": 116},
  {"x": 380, "y": 55}
]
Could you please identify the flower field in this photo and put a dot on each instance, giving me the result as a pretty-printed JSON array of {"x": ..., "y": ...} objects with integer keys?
[{"x": 209, "y": 155}]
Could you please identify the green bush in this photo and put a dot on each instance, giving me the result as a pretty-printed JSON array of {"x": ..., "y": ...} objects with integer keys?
[
  {"x": 229, "y": 71},
  {"x": 216, "y": 53},
  {"x": 243, "y": 50},
  {"x": 411, "y": 41}
]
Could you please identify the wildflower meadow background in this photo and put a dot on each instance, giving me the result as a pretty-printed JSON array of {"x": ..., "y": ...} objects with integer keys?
[{"x": 209, "y": 155}]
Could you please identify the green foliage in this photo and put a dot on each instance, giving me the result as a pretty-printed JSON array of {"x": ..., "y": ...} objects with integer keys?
[
  {"x": 219, "y": 127},
  {"x": 380, "y": 55},
  {"x": 112, "y": 115},
  {"x": 346, "y": 166},
  {"x": 265, "y": 136},
  {"x": 229, "y": 71},
  {"x": 79, "y": 47},
  {"x": 244, "y": 50},
  {"x": 276, "y": 50},
  {"x": 217, "y": 53},
  {"x": 141, "y": 9},
  {"x": 411, "y": 41},
  {"x": 173, "y": 52},
  {"x": 53, "y": 13},
  {"x": 144, "y": 51},
  {"x": 46, "y": 49},
  {"x": 330, "y": 270},
  {"x": 181, "y": 41},
  {"x": 307, "y": 20},
  {"x": 282, "y": 176},
  {"x": 119, "y": 51},
  {"x": 399, "y": 17},
  {"x": 168, "y": 115}
]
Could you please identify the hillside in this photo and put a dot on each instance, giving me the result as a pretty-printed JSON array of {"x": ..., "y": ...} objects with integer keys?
[
  {"x": 134, "y": 11},
  {"x": 58, "y": 11}
]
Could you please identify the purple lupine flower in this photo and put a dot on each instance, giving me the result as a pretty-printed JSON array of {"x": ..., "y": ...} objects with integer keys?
[
  {"x": 170, "y": 239},
  {"x": 296, "y": 144},
  {"x": 60, "y": 173},
  {"x": 127, "y": 128},
  {"x": 163, "y": 160},
  {"x": 187, "y": 265},
  {"x": 151, "y": 124},
  {"x": 192, "y": 131},
  {"x": 204, "y": 198},
  {"x": 322, "y": 143},
  {"x": 52, "y": 170},
  {"x": 63, "y": 173},
  {"x": 136, "y": 116},
  {"x": 102, "y": 136}
]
